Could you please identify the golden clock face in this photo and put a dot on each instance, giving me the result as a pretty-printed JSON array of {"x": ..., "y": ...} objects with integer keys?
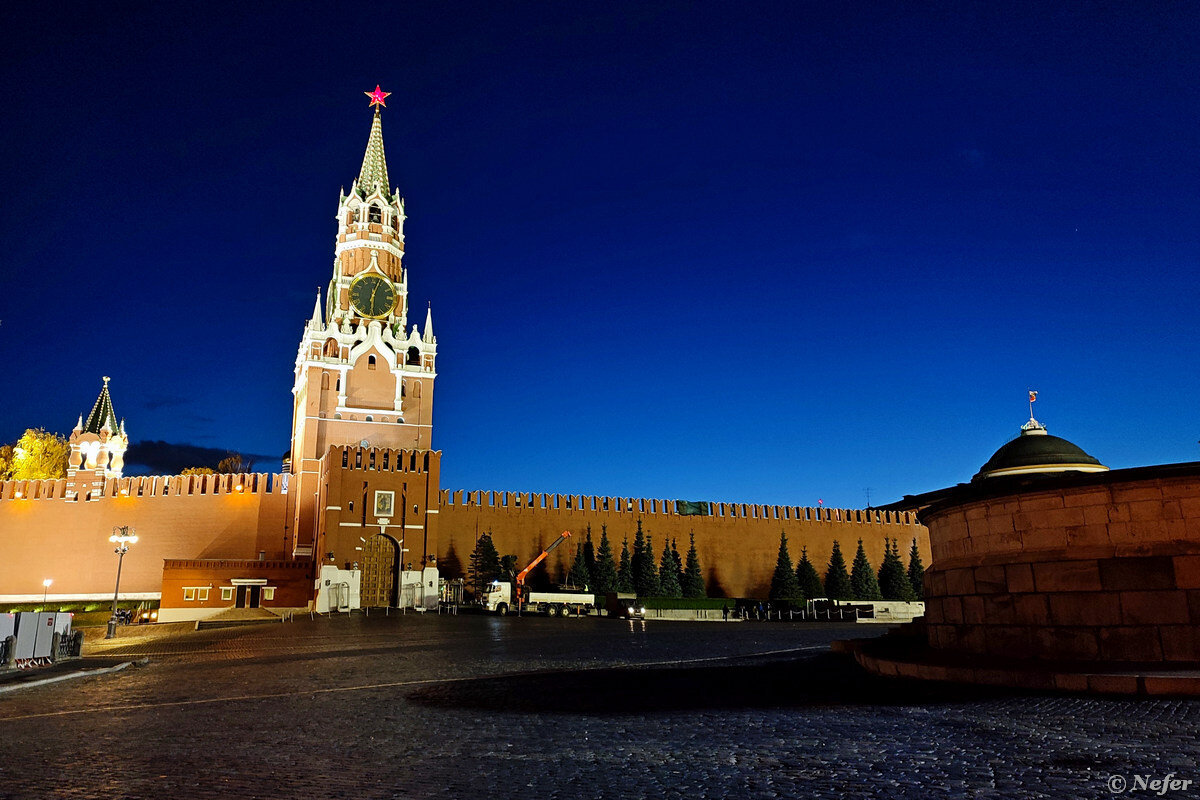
[{"x": 373, "y": 296}]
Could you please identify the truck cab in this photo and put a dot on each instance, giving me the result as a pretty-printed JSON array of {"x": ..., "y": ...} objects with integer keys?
[{"x": 497, "y": 597}]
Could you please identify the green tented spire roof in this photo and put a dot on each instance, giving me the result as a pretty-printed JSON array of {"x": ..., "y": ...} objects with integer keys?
[
  {"x": 373, "y": 174},
  {"x": 102, "y": 413}
]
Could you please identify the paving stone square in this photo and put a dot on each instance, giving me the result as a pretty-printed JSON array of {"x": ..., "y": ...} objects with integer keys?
[{"x": 472, "y": 706}]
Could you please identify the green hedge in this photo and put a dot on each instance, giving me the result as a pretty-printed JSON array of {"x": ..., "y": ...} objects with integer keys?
[
  {"x": 79, "y": 606},
  {"x": 676, "y": 603}
]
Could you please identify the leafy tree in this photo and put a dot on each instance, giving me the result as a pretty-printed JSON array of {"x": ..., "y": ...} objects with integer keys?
[
  {"x": 625, "y": 570},
  {"x": 668, "y": 574},
  {"x": 784, "y": 585},
  {"x": 893, "y": 580},
  {"x": 37, "y": 455},
  {"x": 580, "y": 574},
  {"x": 863, "y": 583},
  {"x": 605, "y": 575},
  {"x": 693, "y": 577},
  {"x": 198, "y": 471},
  {"x": 916, "y": 571},
  {"x": 234, "y": 463},
  {"x": 837, "y": 579},
  {"x": 807, "y": 577},
  {"x": 485, "y": 563}
]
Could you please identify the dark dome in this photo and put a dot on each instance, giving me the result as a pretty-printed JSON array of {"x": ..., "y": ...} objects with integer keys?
[{"x": 1037, "y": 451}]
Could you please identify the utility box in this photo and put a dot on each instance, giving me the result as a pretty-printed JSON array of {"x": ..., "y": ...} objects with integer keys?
[{"x": 35, "y": 633}]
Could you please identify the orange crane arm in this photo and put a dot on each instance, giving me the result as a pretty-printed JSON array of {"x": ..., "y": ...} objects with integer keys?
[{"x": 562, "y": 537}]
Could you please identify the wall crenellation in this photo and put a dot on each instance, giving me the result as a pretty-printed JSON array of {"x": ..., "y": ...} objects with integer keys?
[
  {"x": 252, "y": 483},
  {"x": 536, "y": 501},
  {"x": 380, "y": 459}
]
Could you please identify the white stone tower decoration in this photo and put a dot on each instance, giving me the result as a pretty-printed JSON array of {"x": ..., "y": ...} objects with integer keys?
[{"x": 97, "y": 448}]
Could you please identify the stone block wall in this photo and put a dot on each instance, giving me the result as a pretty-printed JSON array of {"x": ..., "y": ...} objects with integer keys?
[{"x": 1102, "y": 568}]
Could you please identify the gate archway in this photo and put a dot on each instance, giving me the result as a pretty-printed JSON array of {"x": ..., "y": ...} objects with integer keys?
[{"x": 381, "y": 564}]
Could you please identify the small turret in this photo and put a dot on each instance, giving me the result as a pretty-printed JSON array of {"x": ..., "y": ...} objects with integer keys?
[
  {"x": 428, "y": 337},
  {"x": 98, "y": 447},
  {"x": 315, "y": 322}
]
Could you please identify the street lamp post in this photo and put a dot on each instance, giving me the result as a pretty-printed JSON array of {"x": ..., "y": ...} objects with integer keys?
[
  {"x": 46, "y": 591},
  {"x": 122, "y": 537}
]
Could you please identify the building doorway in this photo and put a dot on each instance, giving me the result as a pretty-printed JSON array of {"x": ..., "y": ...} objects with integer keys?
[
  {"x": 248, "y": 597},
  {"x": 380, "y": 566}
]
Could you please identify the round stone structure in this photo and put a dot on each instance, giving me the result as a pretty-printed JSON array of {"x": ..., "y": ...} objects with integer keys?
[{"x": 1100, "y": 566}]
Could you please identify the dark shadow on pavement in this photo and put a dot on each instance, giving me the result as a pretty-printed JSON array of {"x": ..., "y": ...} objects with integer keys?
[{"x": 824, "y": 680}]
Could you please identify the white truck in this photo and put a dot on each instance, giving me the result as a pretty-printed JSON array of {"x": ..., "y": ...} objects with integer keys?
[{"x": 499, "y": 598}]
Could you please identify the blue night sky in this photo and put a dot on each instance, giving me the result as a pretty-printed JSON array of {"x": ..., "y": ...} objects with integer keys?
[{"x": 755, "y": 252}]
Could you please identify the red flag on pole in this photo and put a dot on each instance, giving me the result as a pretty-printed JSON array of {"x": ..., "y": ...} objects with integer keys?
[{"x": 1032, "y": 396}]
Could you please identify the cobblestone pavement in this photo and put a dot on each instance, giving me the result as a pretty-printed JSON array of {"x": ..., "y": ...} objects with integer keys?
[{"x": 457, "y": 707}]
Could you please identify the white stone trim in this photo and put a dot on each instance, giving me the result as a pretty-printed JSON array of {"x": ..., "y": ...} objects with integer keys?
[{"x": 360, "y": 243}]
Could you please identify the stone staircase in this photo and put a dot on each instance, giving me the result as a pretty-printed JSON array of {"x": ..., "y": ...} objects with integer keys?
[{"x": 232, "y": 617}]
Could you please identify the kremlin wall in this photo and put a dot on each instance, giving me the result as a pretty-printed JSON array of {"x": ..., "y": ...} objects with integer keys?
[
  {"x": 244, "y": 518},
  {"x": 737, "y": 543}
]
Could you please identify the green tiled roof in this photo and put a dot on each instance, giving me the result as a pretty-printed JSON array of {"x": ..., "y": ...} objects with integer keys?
[
  {"x": 373, "y": 174},
  {"x": 102, "y": 412}
]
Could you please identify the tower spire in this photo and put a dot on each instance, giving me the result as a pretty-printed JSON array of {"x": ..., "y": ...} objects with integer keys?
[
  {"x": 102, "y": 413},
  {"x": 373, "y": 174},
  {"x": 428, "y": 336},
  {"x": 315, "y": 321}
]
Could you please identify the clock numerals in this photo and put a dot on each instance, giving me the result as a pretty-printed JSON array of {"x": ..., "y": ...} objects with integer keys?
[{"x": 373, "y": 296}]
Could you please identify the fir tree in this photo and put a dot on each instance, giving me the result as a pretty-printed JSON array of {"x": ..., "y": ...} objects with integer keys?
[
  {"x": 580, "y": 574},
  {"x": 639, "y": 552},
  {"x": 605, "y": 575},
  {"x": 693, "y": 577},
  {"x": 837, "y": 579},
  {"x": 484, "y": 566},
  {"x": 508, "y": 568},
  {"x": 893, "y": 581},
  {"x": 784, "y": 585},
  {"x": 625, "y": 570},
  {"x": 807, "y": 577},
  {"x": 863, "y": 583},
  {"x": 589, "y": 553},
  {"x": 916, "y": 571},
  {"x": 678, "y": 565},
  {"x": 645, "y": 575},
  {"x": 668, "y": 574}
]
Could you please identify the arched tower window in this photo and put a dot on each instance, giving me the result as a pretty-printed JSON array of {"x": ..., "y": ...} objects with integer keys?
[
  {"x": 375, "y": 215},
  {"x": 324, "y": 380},
  {"x": 414, "y": 356},
  {"x": 331, "y": 348},
  {"x": 370, "y": 362}
]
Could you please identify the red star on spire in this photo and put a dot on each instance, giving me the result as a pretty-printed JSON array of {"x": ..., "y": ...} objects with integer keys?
[{"x": 377, "y": 96}]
